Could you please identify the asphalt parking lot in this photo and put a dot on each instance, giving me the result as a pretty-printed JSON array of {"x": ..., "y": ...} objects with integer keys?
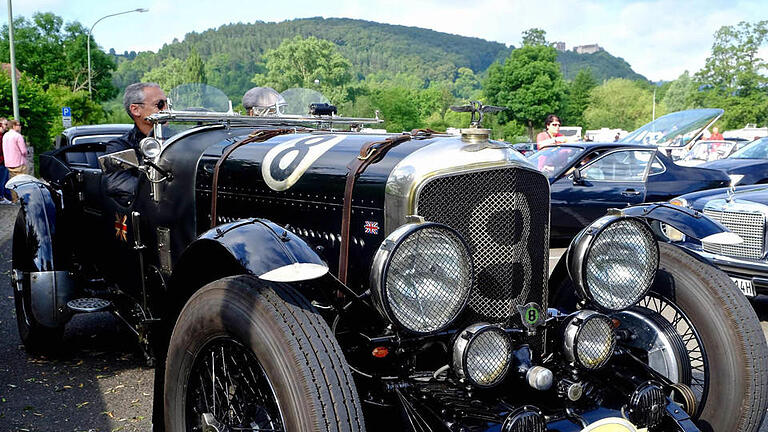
[{"x": 101, "y": 382}]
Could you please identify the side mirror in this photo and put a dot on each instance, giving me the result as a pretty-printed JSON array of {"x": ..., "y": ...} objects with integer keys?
[
  {"x": 577, "y": 179},
  {"x": 124, "y": 159}
]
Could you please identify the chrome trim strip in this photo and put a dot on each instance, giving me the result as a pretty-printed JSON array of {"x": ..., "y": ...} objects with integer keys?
[{"x": 443, "y": 157}]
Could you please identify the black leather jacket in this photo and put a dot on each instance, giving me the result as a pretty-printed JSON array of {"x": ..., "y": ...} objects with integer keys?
[{"x": 119, "y": 183}]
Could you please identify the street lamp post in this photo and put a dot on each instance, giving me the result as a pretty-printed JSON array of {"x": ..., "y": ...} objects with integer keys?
[
  {"x": 14, "y": 91},
  {"x": 90, "y": 91}
]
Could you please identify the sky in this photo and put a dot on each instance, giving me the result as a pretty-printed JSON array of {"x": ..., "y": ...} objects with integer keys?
[{"x": 659, "y": 39}]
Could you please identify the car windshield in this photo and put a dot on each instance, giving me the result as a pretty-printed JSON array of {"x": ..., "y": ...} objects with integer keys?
[
  {"x": 202, "y": 98},
  {"x": 757, "y": 149},
  {"x": 674, "y": 129},
  {"x": 552, "y": 160},
  {"x": 709, "y": 150}
]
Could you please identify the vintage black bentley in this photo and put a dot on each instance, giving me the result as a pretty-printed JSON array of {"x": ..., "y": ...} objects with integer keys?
[{"x": 296, "y": 273}]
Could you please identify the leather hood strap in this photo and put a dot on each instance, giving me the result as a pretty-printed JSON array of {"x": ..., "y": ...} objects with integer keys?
[{"x": 369, "y": 154}]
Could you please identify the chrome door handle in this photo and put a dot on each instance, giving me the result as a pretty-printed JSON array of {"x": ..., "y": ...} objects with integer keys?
[{"x": 630, "y": 192}]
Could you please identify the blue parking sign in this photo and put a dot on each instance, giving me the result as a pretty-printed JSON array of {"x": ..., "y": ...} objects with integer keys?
[{"x": 66, "y": 112}]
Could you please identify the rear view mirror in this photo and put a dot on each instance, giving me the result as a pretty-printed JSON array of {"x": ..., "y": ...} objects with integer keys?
[
  {"x": 119, "y": 160},
  {"x": 577, "y": 179}
]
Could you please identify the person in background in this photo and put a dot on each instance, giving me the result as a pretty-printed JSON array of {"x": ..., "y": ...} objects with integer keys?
[
  {"x": 551, "y": 135},
  {"x": 14, "y": 151},
  {"x": 5, "y": 194},
  {"x": 140, "y": 101},
  {"x": 716, "y": 135}
]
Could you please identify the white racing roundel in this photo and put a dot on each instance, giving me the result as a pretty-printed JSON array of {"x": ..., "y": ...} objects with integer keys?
[{"x": 284, "y": 164}]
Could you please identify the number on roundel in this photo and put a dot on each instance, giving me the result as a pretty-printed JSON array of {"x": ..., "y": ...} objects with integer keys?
[{"x": 284, "y": 164}]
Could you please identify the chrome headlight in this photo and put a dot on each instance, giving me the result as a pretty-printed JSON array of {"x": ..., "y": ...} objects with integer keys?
[
  {"x": 589, "y": 339},
  {"x": 613, "y": 262},
  {"x": 422, "y": 276},
  {"x": 150, "y": 147},
  {"x": 482, "y": 354}
]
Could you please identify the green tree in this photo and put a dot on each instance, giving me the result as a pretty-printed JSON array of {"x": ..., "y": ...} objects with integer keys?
[
  {"x": 194, "y": 69},
  {"x": 309, "y": 63},
  {"x": 679, "y": 95},
  {"x": 466, "y": 84},
  {"x": 397, "y": 108},
  {"x": 620, "y": 103},
  {"x": 169, "y": 74},
  {"x": 84, "y": 110},
  {"x": 534, "y": 37},
  {"x": 529, "y": 85},
  {"x": 36, "y": 110},
  {"x": 734, "y": 67},
  {"x": 577, "y": 98},
  {"x": 55, "y": 53}
]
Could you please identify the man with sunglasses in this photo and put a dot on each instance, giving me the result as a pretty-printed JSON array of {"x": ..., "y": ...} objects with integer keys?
[{"x": 140, "y": 101}]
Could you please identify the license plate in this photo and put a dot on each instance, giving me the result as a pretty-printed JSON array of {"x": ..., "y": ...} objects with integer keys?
[{"x": 745, "y": 286}]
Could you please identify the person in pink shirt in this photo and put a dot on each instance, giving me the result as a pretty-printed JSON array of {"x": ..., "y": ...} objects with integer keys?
[
  {"x": 551, "y": 135},
  {"x": 14, "y": 151}
]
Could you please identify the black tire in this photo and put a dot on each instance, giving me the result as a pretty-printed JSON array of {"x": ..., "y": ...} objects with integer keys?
[
  {"x": 733, "y": 347},
  {"x": 37, "y": 339},
  {"x": 273, "y": 329}
]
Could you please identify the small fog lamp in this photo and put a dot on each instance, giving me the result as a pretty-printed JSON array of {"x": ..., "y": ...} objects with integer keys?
[
  {"x": 482, "y": 354},
  {"x": 589, "y": 340}
]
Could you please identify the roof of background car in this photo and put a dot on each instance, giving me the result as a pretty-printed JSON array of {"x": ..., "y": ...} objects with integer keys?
[
  {"x": 588, "y": 145},
  {"x": 120, "y": 128}
]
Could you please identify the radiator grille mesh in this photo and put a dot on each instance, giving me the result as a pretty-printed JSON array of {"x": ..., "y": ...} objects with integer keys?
[{"x": 503, "y": 215}]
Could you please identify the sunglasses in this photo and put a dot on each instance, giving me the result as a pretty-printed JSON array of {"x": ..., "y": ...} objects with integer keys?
[
  {"x": 554, "y": 124},
  {"x": 159, "y": 104}
]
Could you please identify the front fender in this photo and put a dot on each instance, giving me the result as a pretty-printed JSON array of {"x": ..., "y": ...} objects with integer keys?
[
  {"x": 265, "y": 250},
  {"x": 39, "y": 265},
  {"x": 39, "y": 211},
  {"x": 690, "y": 222}
]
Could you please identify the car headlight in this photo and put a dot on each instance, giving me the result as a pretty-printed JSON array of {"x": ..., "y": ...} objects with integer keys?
[
  {"x": 589, "y": 339},
  {"x": 422, "y": 276},
  {"x": 482, "y": 354},
  {"x": 150, "y": 147},
  {"x": 613, "y": 262},
  {"x": 735, "y": 178}
]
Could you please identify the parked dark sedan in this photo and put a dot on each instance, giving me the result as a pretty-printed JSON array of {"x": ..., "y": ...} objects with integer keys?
[
  {"x": 746, "y": 166},
  {"x": 91, "y": 134},
  {"x": 587, "y": 179},
  {"x": 744, "y": 211}
]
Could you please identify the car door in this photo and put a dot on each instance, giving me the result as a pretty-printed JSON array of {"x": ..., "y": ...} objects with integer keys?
[{"x": 614, "y": 180}]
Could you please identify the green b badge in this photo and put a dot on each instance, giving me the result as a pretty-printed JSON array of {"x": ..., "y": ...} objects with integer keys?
[{"x": 531, "y": 315}]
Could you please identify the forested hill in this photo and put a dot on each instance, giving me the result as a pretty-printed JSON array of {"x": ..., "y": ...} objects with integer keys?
[
  {"x": 233, "y": 53},
  {"x": 602, "y": 64}
]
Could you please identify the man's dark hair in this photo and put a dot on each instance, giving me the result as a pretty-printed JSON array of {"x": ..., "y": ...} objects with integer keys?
[{"x": 134, "y": 94}]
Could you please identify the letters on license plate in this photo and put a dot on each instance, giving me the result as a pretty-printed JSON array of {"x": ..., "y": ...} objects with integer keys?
[{"x": 745, "y": 286}]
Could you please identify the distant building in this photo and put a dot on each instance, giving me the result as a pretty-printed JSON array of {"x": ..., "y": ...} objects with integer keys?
[
  {"x": 587, "y": 49},
  {"x": 560, "y": 46}
]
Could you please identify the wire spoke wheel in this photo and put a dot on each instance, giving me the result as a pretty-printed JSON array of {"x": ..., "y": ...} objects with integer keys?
[
  {"x": 229, "y": 391},
  {"x": 695, "y": 373}
]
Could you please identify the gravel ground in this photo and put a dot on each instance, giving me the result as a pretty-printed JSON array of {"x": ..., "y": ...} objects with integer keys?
[{"x": 101, "y": 382}]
